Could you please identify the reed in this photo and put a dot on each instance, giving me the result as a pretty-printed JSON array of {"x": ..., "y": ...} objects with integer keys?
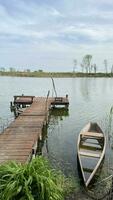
[{"x": 33, "y": 181}]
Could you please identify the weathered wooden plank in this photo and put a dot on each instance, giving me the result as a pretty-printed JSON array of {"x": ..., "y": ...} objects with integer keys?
[
  {"x": 15, "y": 153},
  {"x": 17, "y": 146},
  {"x": 89, "y": 154},
  {"x": 92, "y": 134},
  {"x": 8, "y": 157},
  {"x": 22, "y": 130},
  {"x": 20, "y": 138}
]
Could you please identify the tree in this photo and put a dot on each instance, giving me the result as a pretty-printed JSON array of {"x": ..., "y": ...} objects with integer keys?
[
  {"x": 92, "y": 68},
  {"x": 75, "y": 65},
  {"x": 112, "y": 69},
  {"x": 95, "y": 68},
  {"x": 40, "y": 70},
  {"x": 2, "y": 69},
  {"x": 28, "y": 70},
  {"x": 87, "y": 62},
  {"x": 106, "y": 66},
  {"x": 82, "y": 67},
  {"x": 11, "y": 69}
]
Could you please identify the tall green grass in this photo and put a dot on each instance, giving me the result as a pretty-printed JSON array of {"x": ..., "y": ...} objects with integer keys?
[{"x": 33, "y": 181}]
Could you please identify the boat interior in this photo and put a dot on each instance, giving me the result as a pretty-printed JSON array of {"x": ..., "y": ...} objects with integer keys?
[{"x": 90, "y": 148}]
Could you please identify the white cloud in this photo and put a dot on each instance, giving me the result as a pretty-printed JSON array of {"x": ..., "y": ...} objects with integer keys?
[{"x": 54, "y": 34}]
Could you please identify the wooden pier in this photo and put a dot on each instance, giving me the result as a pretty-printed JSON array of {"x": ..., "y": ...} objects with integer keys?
[{"x": 20, "y": 140}]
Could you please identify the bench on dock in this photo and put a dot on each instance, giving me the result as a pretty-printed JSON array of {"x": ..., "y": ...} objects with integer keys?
[
  {"x": 23, "y": 99},
  {"x": 19, "y": 141},
  {"x": 60, "y": 101}
]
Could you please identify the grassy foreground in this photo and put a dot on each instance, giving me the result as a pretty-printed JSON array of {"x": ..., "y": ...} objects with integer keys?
[
  {"x": 33, "y": 181},
  {"x": 55, "y": 74}
]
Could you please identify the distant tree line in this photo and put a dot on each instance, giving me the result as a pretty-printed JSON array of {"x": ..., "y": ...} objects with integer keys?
[
  {"x": 12, "y": 69},
  {"x": 85, "y": 66},
  {"x": 88, "y": 67}
]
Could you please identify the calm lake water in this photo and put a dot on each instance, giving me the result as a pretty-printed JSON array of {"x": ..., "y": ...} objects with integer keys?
[{"x": 91, "y": 99}]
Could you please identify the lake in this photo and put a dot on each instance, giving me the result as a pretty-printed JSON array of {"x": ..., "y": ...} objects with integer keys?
[{"x": 91, "y": 99}]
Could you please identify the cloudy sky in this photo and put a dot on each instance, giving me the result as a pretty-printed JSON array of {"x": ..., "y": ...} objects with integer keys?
[{"x": 50, "y": 34}]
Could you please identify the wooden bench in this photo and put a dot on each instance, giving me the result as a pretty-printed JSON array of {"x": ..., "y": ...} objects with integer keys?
[
  {"x": 23, "y": 96},
  {"x": 92, "y": 135},
  {"x": 23, "y": 100},
  {"x": 89, "y": 154}
]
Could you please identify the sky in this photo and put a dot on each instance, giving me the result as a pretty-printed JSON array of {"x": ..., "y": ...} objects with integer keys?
[{"x": 50, "y": 34}]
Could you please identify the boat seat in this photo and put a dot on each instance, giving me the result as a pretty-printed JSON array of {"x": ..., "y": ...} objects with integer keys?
[
  {"x": 91, "y": 147},
  {"x": 89, "y": 154},
  {"x": 92, "y": 135}
]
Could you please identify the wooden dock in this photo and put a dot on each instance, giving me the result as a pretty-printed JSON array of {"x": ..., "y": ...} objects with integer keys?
[{"x": 20, "y": 140}]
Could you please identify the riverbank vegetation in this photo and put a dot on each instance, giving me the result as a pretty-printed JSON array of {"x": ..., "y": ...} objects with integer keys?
[
  {"x": 54, "y": 74},
  {"x": 86, "y": 68},
  {"x": 34, "y": 180}
]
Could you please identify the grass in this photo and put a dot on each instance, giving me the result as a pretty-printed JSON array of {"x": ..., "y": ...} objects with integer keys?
[
  {"x": 33, "y": 181},
  {"x": 54, "y": 74}
]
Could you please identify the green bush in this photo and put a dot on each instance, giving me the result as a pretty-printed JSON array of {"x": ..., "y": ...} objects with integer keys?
[{"x": 35, "y": 180}]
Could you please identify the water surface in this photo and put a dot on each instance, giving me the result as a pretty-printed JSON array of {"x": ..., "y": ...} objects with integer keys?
[{"x": 91, "y": 99}]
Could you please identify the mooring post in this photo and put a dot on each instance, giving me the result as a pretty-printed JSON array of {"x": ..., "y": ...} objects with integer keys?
[
  {"x": 11, "y": 106},
  {"x": 66, "y": 105}
]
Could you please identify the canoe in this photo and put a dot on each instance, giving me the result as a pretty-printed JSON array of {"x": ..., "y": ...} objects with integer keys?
[{"x": 91, "y": 151}]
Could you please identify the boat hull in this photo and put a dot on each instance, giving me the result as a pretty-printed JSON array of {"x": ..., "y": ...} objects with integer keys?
[{"x": 90, "y": 151}]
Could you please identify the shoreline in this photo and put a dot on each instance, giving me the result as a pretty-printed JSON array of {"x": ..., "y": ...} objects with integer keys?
[{"x": 57, "y": 74}]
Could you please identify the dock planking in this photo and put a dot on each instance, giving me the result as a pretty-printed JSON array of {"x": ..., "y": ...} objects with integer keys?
[{"x": 19, "y": 141}]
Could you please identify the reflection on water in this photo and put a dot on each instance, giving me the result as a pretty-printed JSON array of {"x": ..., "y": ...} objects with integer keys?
[
  {"x": 56, "y": 114},
  {"x": 110, "y": 128},
  {"x": 91, "y": 99},
  {"x": 59, "y": 113},
  {"x": 85, "y": 88}
]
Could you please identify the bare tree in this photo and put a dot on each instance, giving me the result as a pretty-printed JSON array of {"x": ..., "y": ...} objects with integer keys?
[
  {"x": 28, "y": 70},
  {"x": 82, "y": 67},
  {"x": 40, "y": 70},
  {"x": 112, "y": 69},
  {"x": 75, "y": 65},
  {"x": 92, "y": 68},
  {"x": 106, "y": 66},
  {"x": 12, "y": 69},
  {"x": 95, "y": 68},
  {"x": 87, "y": 62},
  {"x": 2, "y": 69}
]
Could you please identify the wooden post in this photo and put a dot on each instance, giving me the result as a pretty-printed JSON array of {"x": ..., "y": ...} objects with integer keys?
[
  {"x": 46, "y": 107},
  {"x": 11, "y": 106}
]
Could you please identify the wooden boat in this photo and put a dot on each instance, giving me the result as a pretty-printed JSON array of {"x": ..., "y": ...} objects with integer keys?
[{"x": 91, "y": 151}]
